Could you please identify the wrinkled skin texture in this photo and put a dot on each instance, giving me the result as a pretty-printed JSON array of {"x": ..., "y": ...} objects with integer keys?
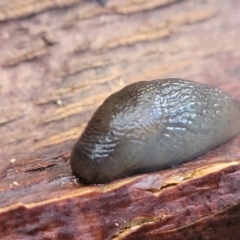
[{"x": 151, "y": 125}]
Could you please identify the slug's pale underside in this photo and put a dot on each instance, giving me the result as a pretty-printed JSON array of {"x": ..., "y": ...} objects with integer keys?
[{"x": 151, "y": 125}]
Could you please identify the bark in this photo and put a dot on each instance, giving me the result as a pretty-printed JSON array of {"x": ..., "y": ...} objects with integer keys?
[{"x": 58, "y": 61}]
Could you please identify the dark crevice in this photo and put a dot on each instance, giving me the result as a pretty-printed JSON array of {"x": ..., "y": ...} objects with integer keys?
[
  {"x": 40, "y": 169},
  {"x": 47, "y": 42}
]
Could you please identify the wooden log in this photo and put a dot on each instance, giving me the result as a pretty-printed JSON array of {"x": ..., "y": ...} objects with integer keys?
[{"x": 59, "y": 60}]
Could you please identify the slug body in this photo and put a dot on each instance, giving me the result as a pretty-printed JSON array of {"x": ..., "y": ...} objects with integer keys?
[{"x": 151, "y": 125}]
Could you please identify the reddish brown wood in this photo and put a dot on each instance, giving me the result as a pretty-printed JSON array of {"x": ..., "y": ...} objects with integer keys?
[{"x": 58, "y": 61}]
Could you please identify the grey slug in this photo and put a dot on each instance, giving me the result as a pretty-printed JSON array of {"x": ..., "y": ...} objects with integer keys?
[{"x": 151, "y": 125}]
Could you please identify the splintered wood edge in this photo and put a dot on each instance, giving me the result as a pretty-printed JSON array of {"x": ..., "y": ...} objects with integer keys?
[
  {"x": 126, "y": 207},
  {"x": 104, "y": 189}
]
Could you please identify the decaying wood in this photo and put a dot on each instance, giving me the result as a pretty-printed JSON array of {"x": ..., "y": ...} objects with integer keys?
[{"x": 59, "y": 60}]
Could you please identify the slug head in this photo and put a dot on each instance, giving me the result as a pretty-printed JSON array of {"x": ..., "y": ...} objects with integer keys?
[{"x": 116, "y": 139}]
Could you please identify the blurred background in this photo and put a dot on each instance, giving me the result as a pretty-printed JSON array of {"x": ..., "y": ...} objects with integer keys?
[{"x": 60, "y": 59}]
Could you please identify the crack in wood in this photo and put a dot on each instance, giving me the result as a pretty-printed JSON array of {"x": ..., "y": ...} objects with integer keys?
[{"x": 40, "y": 169}]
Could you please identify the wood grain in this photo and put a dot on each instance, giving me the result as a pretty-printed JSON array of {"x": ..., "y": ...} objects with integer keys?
[{"x": 58, "y": 61}]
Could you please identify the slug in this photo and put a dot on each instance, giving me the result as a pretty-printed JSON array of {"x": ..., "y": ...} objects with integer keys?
[{"x": 151, "y": 125}]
